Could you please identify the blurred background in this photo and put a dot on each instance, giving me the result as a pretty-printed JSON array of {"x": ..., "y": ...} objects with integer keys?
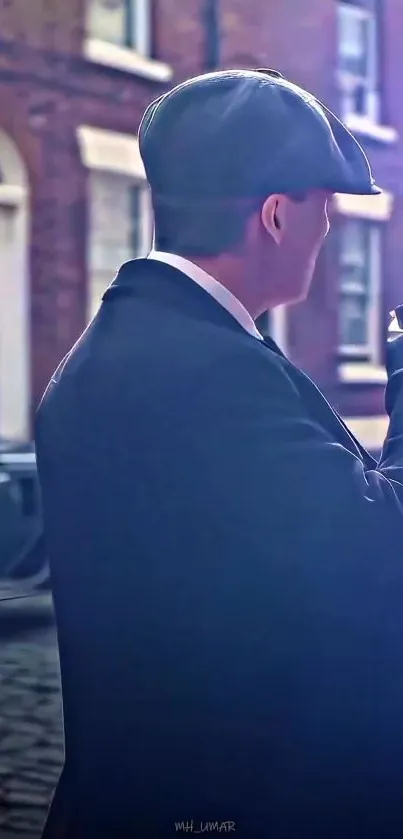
[{"x": 75, "y": 78}]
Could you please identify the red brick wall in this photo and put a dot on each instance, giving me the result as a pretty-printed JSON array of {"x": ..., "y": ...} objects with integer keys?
[
  {"x": 47, "y": 90},
  {"x": 179, "y": 36}
]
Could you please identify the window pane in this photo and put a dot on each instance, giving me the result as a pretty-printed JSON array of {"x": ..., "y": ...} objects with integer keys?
[
  {"x": 116, "y": 228},
  {"x": 353, "y": 243},
  {"x": 100, "y": 280},
  {"x": 111, "y": 222},
  {"x": 354, "y": 321},
  {"x": 136, "y": 219},
  {"x": 354, "y": 32},
  {"x": 354, "y": 283},
  {"x": 354, "y": 279},
  {"x": 108, "y": 20}
]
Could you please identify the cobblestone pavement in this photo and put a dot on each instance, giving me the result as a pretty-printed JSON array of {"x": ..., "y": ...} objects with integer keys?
[{"x": 31, "y": 742}]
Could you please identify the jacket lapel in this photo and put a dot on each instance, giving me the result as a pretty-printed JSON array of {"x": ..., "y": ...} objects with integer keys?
[{"x": 322, "y": 412}]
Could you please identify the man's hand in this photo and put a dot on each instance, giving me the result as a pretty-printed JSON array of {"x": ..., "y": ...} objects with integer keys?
[{"x": 395, "y": 327}]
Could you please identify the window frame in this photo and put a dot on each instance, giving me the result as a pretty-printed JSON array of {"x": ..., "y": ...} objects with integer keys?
[
  {"x": 144, "y": 236},
  {"x": 137, "y": 37},
  {"x": 370, "y": 82},
  {"x": 370, "y": 352},
  {"x": 274, "y": 324}
]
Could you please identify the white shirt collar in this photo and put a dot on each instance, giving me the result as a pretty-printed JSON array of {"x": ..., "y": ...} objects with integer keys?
[{"x": 221, "y": 294}]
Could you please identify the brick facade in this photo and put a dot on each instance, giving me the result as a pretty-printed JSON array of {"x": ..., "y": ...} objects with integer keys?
[{"x": 48, "y": 89}]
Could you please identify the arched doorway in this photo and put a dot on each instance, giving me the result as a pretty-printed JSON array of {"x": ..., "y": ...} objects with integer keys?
[{"x": 14, "y": 294}]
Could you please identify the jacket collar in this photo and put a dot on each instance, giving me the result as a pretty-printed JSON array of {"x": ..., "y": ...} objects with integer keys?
[
  {"x": 140, "y": 277},
  {"x": 172, "y": 286},
  {"x": 219, "y": 292}
]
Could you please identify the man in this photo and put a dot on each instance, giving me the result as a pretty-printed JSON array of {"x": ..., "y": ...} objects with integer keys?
[{"x": 225, "y": 557}]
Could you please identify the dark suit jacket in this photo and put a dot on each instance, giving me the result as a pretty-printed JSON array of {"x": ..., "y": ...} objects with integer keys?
[{"x": 227, "y": 571}]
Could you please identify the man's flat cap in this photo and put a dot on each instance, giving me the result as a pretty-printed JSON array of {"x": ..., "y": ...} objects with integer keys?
[{"x": 243, "y": 134}]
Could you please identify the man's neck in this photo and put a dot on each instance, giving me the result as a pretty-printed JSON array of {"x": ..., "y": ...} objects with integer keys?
[
  {"x": 221, "y": 293},
  {"x": 230, "y": 272}
]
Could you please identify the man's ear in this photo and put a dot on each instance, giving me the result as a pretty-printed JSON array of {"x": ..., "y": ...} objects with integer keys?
[{"x": 274, "y": 216}]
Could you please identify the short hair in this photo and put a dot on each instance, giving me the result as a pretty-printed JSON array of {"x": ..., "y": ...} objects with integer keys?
[
  {"x": 205, "y": 231},
  {"x": 200, "y": 231}
]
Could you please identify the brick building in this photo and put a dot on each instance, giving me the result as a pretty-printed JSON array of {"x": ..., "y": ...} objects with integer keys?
[{"x": 75, "y": 77}]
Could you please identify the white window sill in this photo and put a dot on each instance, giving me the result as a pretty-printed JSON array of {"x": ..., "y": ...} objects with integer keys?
[
  {"x": 11, "y": 195},
  {"x": 110, "y": 151},
  {"x": 377, "y": 208},
  {"x": 365, "y": 127},
  {"x": 362, "y": 372},
  {"x": 126, "y": 59},
  {"x": 370, "y": 431}
]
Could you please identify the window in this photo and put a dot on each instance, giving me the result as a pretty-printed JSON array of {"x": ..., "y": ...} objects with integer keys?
[
  {"x": 125, "y": 23},
  {"x": 359, "y": 289},
  {"x": 358, "y": 60},
  {"x": 15, "y": 389},
  {"x": 120, "y": 228},
  {"x": 274, "y": 325}
]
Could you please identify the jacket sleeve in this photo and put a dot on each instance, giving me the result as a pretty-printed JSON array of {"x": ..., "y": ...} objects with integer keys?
[
  {"x": 391, "y": 461},
  {"x": 308, "y": 476},
  {"x": 321, "y": 547}
]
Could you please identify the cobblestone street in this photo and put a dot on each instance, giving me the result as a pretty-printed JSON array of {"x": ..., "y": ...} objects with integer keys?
[{"x": 31, "y": 743}]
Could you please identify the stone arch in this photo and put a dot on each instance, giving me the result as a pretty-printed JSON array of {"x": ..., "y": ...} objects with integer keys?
[{"x": 14, "y": 293}]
